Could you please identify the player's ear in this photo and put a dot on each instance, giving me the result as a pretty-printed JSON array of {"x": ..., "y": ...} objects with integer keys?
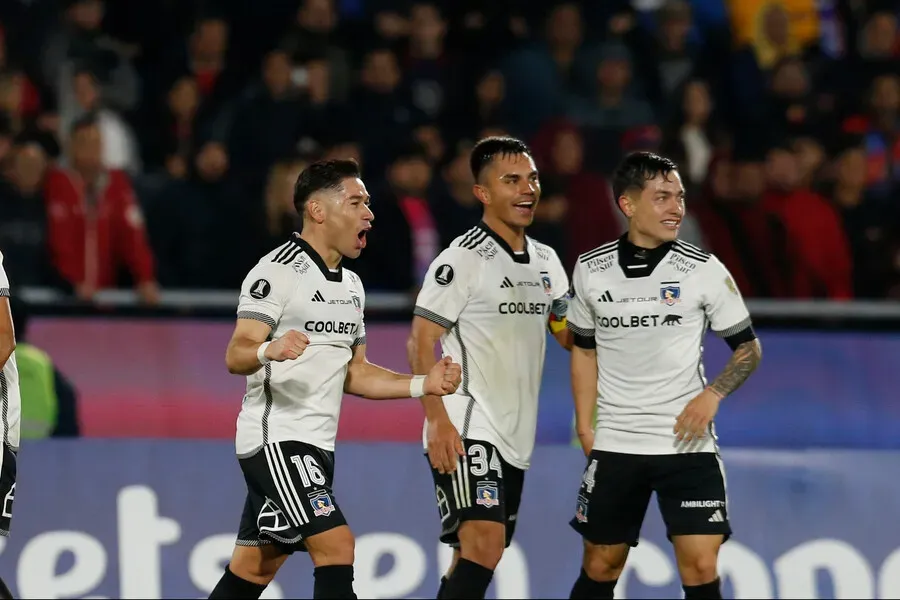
[
  {"x": 481, "y": 193},
  {"x": 316, "y": 210},
  {"x": 626, "y": 205}
]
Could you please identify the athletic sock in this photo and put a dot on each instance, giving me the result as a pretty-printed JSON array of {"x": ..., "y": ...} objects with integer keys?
[
  {"x": 333, "y": 582},
  {"x": 706, "y": 591},
  {"x": 468, "y": 580},
  {"x": 586, "y": 588},
  {"x": 440, "y": 592},
  {"x": 232, "y": 587}
]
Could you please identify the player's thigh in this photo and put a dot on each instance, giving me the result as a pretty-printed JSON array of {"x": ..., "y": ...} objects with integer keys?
[
  {"x": 475, "y": 491},
  {"x": 690, "y": 490},
  {"x": 612, "y": 499},
  {"x": 7, "y": 488},
  {"x": 291, "y": 497}
]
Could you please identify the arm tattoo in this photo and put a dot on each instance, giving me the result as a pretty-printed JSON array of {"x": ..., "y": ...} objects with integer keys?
[{"x": 743, "y": 362}]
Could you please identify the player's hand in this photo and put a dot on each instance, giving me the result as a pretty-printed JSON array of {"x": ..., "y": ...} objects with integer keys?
[
  {"x": 288, "y": 347},
  {"x": 586, "y": 438},
  {"x": 693, "y": 422},
  {"x": 443, "y": 378},
  {"x": 444, "y": 445}
]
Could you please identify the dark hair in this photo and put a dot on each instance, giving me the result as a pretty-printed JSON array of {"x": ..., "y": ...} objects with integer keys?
[
  {"x": 637, "y": 169},
  {"x": 485, "y": 150},
  {"x": 83, "y": 122},
  {"x": 322, "y": 175}
]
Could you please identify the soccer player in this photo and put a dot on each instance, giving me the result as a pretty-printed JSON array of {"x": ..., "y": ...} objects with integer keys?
[
  {"x": 11, "y": 410},
  {"x": 301, "y": 341},
  {"x": 489, "y": 299},
  {"x": 640, "y": 309}
]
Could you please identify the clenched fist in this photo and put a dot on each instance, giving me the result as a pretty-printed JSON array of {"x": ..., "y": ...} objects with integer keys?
[
  {"x": 443, "y": 378},
  {"x": 288, "y": 347}
]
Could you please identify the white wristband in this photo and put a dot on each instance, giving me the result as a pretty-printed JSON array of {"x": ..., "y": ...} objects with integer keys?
[
  {"x": 417, "y": 386},
  {"x": 261, "y": 353}
]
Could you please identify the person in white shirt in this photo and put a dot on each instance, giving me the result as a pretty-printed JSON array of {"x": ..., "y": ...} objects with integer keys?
[
  {"x": 10, "y": 413},
  {"x": 640, "y": 309},
  {"x": 488, "y": 299},
  {"x": 300, "y": 340}
]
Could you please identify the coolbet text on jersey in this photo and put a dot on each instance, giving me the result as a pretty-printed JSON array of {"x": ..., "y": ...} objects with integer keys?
[{"x": 495, "y": 304}]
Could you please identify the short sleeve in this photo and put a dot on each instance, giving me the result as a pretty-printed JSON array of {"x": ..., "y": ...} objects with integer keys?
[
  {"x": 361, "y": 334},
  {"x": 447, "y": 286},
  {"x": 265, "y": 292},
  {"x": 4, "y": 280},
  {"x": 722, "y": 301},
  {"x": 581, "y": 315}
]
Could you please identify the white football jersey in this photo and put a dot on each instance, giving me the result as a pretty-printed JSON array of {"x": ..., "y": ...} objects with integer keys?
[
  {"x": 300, "y": 400},
  {"x": 10, "y": 400},
  {"x": 649, "y": 329},
  {"x": 495, "y": 304}
]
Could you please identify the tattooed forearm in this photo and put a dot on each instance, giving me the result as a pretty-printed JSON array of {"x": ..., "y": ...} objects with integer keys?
[{"x": 743, "y": 362}]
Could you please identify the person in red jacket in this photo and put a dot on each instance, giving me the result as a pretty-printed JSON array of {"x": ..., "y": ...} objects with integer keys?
[
  {"x": 817, "y": 248},
  {"x": 94, "y": 223}
]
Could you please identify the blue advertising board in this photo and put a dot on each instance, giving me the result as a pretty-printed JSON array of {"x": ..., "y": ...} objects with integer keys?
[{"x": 157, "y": 519}]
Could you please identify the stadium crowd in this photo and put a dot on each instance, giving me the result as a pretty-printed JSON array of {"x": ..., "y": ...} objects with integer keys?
[{"x": 154, "y": 143}]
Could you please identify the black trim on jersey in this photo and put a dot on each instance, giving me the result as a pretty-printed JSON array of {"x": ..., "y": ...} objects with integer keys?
[
  {"x": 257, "y": 316},
  {"x": 473, "y": 237},
  {"x": 433, "y": 317},
  {"x": 4, "y": 292},
  {"x": 585, "y": 342},
  {"x": 326, "y": 272},
  {"x": 741, "y": 337},
  {"x": 360, "y": 341},
  {"x": 464, "y": 364},
  {"x": 287, "y": 253},
  {"x": 599, "y": 251},
  {"x": 4, "y": 394},
  {"x": 579, "y": 330},
  {"x": 639, "y": 262},
  {"x": 519, "y": 257},
  {"x": 692, "y": 249},
  {"x": 267, "y": 391}
]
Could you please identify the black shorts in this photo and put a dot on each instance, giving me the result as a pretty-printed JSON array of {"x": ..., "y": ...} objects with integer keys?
[
  {"x": 289, "y": 496},
  {"x": 7, "y": 488},
  {"x": 615, "y": 492},
  {"x": 484, "y": 487}
]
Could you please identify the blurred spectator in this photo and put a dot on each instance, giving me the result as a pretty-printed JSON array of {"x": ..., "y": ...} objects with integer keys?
[
  {"x": 483, "y": 107},
  {"x": 407, "y": 237},
  {"x": 23, "y": 218},
  {"x": 281, "y": 215},
  {"x": 867, "y": 224},
  {"x": 120, "y": 150},
  {"x": 384, "y": 113},
  {"x": 817, "y": 245},
  {"x": 617, "y": 103},
  {"x": 882, "y": 138},
  {"x": 49, "y": 401},
  {"x": 173, "y": 142},
  {"x": 693, "y": 134},
  {"x": 541, "y": 76},
  {"x": 316, "y": 34},
  {"x": 577, "y": 211},
  {"x": 79, "y": 41},
  {"x": 267, "y": 121},
  {"x": 429, "y": 67},
  {"x": 95, "y": 224},
  {"x": 455, "y": 207}
]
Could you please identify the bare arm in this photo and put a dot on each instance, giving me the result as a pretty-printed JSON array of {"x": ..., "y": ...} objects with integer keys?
[
  {"x": 423, "y": 336},
  {"x": 373, "y": 382},
  {"x": 7, "y": 334},
  {"x": 240, "y": 357},
  {"x": 584, "y": 390},
  {"x": 743, "y": 362},
  {"x": 564, "y": 337}
]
